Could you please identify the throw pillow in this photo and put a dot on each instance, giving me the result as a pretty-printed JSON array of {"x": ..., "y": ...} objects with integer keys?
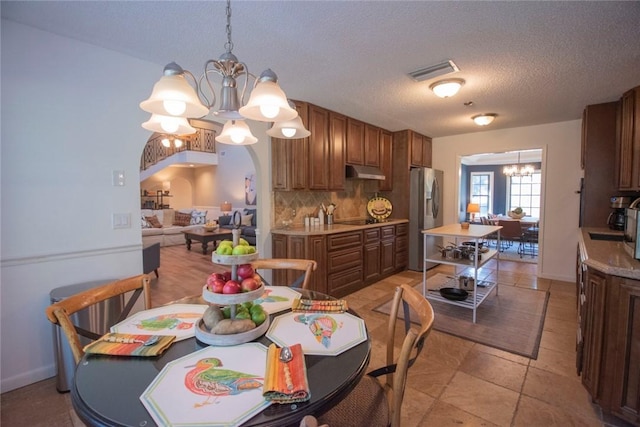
[
  {"x": 153, "y": 220},
  {"x": 253, "y": 212},
  {"x": 144, "y": 223},
  {"x": 198, "y": 217},
  {"x": 224, "y": 220},
  {"x": 246, "y": 220},
  {"x": 182, "y": 219}
]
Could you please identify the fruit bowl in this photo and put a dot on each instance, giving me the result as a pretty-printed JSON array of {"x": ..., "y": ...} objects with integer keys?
[
  {"x": 210, "y": 228},
  {"x": 202, "y": 334},
  {"x": 228, "y": 299},
  {"x": 233, "y": 259},
  {"x": 514, "y": 215}
]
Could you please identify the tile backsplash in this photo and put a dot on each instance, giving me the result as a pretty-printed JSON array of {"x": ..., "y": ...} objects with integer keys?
[{"x": 350, "y": 203}]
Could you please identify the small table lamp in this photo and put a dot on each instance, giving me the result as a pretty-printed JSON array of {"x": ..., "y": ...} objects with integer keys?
[
  {"x": 473, "y": 209},
  {"x": 226, "y": 208}
]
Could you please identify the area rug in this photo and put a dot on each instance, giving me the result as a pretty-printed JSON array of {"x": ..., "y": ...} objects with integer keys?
[
  {"x": 511, "y": 254},
  {"x": 511, "y": 321}
]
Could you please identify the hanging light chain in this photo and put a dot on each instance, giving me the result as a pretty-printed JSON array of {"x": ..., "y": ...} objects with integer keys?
[{"x": 229, "y": 44}]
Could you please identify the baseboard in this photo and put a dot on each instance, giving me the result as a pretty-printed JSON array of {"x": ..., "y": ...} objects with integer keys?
[{"x": 26, "y": 378}]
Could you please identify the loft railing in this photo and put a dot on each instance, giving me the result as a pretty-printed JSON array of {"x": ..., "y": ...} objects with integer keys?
[{"x": 203, "y": 140}]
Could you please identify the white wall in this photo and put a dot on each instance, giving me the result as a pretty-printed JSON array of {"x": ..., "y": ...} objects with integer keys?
[
  {"x": 70, "y": 117},
  {"x": 561, "y": 175}
]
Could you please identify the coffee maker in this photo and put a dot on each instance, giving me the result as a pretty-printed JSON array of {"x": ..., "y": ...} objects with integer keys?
[{"x": 616, "y": 218}]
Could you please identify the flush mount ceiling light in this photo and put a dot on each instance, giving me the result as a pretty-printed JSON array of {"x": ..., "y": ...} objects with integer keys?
[
  {"x": 484, "y": 119},
  {"x": 174, "y": 97},
  {"x": 446, "y": 88}
]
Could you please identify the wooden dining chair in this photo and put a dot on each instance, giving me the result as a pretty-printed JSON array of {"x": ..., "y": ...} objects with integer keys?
[
  {"x": 511, "y": 233},
  {"x": 307, "y": 266},
  {"x": 60, "y": 312},
  {"x": 375, "y": 402}
]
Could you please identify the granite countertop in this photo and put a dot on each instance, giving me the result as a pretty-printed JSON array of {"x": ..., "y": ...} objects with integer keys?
[
  {"x": 301, "y": 230},
  {"x": 609, "y": 257}
]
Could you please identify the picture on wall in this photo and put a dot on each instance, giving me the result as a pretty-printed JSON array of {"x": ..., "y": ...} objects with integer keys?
[{"x": 250, "y": 194}]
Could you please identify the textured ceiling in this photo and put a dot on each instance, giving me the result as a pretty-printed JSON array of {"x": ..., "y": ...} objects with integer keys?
[{"x": 529, "y": 62}]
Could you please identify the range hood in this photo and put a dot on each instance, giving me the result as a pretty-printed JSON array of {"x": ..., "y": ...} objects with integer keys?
[{"x": 364, "y": 172}]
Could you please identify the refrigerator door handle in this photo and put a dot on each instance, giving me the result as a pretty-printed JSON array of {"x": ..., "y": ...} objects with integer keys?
[{"x": 435, "y": 206}]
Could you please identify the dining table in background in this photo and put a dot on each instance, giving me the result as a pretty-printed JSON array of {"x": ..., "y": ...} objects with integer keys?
[
  {"x": 525, "y": 222},
  {"x": 106, "y": 389}
]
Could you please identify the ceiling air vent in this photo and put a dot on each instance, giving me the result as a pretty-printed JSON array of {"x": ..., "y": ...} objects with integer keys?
[{"x": 434, "y": 71}]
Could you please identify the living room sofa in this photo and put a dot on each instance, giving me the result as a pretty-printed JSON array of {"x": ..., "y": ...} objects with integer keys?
[
  {"x": 247, "y": 227},
  {"x": 168, "y": 225}
]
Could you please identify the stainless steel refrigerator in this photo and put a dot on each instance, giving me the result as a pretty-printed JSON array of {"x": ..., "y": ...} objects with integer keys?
[{"x": 425, "y": 211}]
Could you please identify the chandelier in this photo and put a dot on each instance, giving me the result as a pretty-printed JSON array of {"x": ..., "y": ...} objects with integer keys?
[
  {"x": 518, "y": 170},
  {"x": 174, "y": 100}
]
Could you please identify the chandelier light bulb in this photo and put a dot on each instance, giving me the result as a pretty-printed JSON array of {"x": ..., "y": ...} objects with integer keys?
[
  {"x": 269, "y": 111},
  {"x": 177, "y": 142},
  {"x": 236, "y": 132},
  {"x": 289, "y": 132},
  {"x": 175, "y": 107},
  {"x": 169, "y": 124}
]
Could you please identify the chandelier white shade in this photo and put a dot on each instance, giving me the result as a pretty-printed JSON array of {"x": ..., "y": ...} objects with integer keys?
[
  {"x": 172, "y": 95},
  {"x": 289, "y": 129},
  {"x": 236, "y": 132},
  {"x": 268, "y": 103},
  {"x": 484, "y": 119},
  {"x": 446, "y": 88},
  {"x": 168, "y": 124}
]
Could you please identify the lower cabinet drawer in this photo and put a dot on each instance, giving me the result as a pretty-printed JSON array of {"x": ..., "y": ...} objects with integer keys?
[
  {"x": 345, "y": 282},
  {"x": 344, "y": 259}
]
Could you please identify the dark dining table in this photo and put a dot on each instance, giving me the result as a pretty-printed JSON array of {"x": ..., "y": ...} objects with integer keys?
[{"x": 106, "y": 389}]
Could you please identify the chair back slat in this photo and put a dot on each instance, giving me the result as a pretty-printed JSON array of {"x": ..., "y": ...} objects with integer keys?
[{"x": 307, "y": 266}]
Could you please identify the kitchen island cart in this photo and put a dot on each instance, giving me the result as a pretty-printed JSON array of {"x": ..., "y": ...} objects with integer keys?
[{"x": 480, "y": 255}]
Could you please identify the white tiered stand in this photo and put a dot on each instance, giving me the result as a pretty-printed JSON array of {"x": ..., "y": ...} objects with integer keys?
[
  {"x": 231, "y": 300},
  {"x": 475, "y": 233}
]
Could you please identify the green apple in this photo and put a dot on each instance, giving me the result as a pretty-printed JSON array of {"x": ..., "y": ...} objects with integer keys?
[
  {"x": 259, "y": 317},
  {"x": 243, "y": 315},
  {"x": 226, "y": 311},
  {"x": 239, "y": 250},
  {"x": 226, "y": 243},
  {"x": 224, "y": 250},
  {"x": 251, "y": 249},
  {"x": 243, "y": 242}
]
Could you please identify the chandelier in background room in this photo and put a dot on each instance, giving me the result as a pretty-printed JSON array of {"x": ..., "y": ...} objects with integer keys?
[
  {"x": 173, "y": 100},
  {"x": 518, "y": 170}
]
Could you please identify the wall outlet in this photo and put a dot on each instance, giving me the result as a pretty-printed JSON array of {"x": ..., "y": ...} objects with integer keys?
[{"x": 121, "y": 220}]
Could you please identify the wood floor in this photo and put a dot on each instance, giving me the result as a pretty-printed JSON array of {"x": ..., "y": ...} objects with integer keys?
[{"x": 454, "y": 382}]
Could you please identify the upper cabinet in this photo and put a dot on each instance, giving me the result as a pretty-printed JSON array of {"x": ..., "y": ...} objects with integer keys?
[
  {"x": 355, "y": 142},
  {"x": 290, "y": 158},
  {"x": 372, "y": 146},
  {"x": 628, "y": 152},
  {"x": 319, "y": 164},
  {"x": 420, "y": 150},
  {"x": 337, "y": 143}
]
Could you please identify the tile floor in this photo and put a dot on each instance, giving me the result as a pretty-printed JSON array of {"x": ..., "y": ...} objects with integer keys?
[{"x": 454, "y": 382}]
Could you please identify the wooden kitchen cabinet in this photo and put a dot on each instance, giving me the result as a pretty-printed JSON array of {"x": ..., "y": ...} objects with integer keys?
[
  {"x": 349, "y": 260},
  {"x": 337, "y": 143},
  {"x": 420, "y": 150},
  {"x": 598, "y": 159},
  {"x": 355, "y": 142},
  {"x": 628, "y": 151},
  {"x": 386, "y": 160},
  {"x": 318, "y": 164},
  {"x": 290, "y": 157},
  {"x": 372, "y": 146},
  {"x": 312, "y": 163},
  {"x": 609, "y": 314}
]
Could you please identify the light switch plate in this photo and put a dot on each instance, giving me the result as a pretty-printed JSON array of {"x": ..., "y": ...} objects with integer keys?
[
  {"x": 121, "y": 220},
  {"x": 118, "y": 178}
]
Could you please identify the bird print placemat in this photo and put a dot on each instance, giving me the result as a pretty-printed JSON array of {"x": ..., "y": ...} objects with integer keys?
[
  {"x": 178, "y": 320},
  {"x": 215, "y": 386},
  {"x": 318, "y": 333},
  {"x": 277, "y": 298}
]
